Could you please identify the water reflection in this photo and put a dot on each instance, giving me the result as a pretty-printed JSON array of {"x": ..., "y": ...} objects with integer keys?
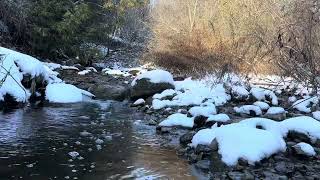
[{"x": 34, "y": 144}]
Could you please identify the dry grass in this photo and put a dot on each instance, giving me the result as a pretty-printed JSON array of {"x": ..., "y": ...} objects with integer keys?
[{"x": 196, "y": 37}]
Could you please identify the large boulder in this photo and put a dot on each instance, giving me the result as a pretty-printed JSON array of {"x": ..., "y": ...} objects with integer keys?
[
  {"x": 150, "y": 83},
  {"x": 110, "y": 91}
]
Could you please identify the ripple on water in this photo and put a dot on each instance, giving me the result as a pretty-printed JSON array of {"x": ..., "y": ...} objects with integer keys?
[{"x": 35, "y": 144}]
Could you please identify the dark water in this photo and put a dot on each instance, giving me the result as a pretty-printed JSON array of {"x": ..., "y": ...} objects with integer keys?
[{"x": 34, "y": 145}]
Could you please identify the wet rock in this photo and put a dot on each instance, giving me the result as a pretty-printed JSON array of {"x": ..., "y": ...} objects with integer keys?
[
  {"x": 200, "y": 121},
  {"x": 284, "y": 168},
  {"x": 214, "y": 146},
  {"x": 186, "y": 138},
  {"x": 276, "y": 117},
  {"x": 298, "y": 137},
  {"x": 202, "y": 149},
  {"x": 218, "y": 165},
  {"x": 273, "y": 176},
  {"x": 236, "y": 175},
  {"x": 145, "y": 88},
  {"x": 163, "y": 129},
  {"x": 110, "y": 91},
  {"x": 203, "y": 165},
  {"x": 183, "y": 111},
  {"x": 152, "y": 122}
]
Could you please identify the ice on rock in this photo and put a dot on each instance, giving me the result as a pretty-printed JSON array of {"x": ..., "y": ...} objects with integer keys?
[
  {"x": 178, "y": 119},
  {"x": 248, "y": 109}
]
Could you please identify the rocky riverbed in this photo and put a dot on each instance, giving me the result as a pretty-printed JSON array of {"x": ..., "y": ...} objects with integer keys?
[{"x": 291, "y": 164}]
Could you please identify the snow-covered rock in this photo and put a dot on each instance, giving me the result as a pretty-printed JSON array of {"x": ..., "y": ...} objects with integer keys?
[
  {"x": 304, "y": 149},
  {"x": 251, "y": 144},
  {"x": 66, "y": 93},
  {"x": 150, "y": 83},
  {"x": 20, "y": 65},
  {"x": 249, "y": 110},
  {"x": 275, "y": 110},
  {"x": 155, "y": 76},
  {"x": 194, "y": 92},
  {"x": 178, "y": 120},
  {"x": 165, "y": 94},
  {"x": 139, "y": 102},
  {"x": 262, "y": 105},
  {"x": 303, "y": 124},
  {"x": 276, "y": 113},
  {"x": 219, "y": 118},
  {"x": 304, "y": 105},
  {"x": 264, "y": 94},
  {"x": 316, "y": 115},
  {"x": 239, "y": 93},
  {"x": 206, "y": 111}
]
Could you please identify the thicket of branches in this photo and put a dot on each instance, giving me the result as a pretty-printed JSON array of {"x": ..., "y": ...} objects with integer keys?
[{"x": 262, "y": 36}]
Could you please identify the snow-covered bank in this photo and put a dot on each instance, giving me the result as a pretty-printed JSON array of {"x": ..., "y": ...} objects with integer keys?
[
  {"x": 218, "y": 118},
  {"x": 16, "y": 66}
]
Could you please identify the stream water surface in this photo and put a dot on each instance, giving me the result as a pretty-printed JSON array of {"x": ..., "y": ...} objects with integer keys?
[{"x": 35, "y": 144}]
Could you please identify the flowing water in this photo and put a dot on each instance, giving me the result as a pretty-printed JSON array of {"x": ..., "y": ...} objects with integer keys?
[{"x": 111, "y": 141}]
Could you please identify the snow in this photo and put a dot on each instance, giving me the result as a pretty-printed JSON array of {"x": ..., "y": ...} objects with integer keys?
[
  {"x": 206, "y": 111},
  {"x": 262, "y": 105},
  {"x": 266, "y": 124},
  {"x": 252, "y": 144},
  {"x": 139, "y": 102},
  {"x": 84, "y": 72},
  {"x": 292, "y": 99},
  {"x": 316, "y": 115},
  {"x": 115, "y": 72},
  {"x": 303, "y": 124},
  {"x": 245, "y": 109},
  {"x": 275, "y": 110},
  {"x": 203, "y": 137},
  {"x": 65, "y": 93},
  {"x": 165, "y": 93},
  {"x": 194, "y": 92},
  {"x": 304, "y": 105},
  {"x": 21, "y": 64},
  {"x": 155, "y": 76},
  {"x": 306, "y": 148},
  {"x": 218, "y": 118},
  {"x": 240, "y": 91},
  {"x": 261, "y": 95},
  {"x": 178, "y": 119}
]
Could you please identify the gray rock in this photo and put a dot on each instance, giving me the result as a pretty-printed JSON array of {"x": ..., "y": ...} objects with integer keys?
[
  {"x": 203, "y": 165},
  {"x": 110, "y": 91},
  {"x": 284, "y": 167},
  {"x": 144, "y": 88},
  {"x": 276, "y": 117},
  {"x": 202, "y": 149},
  {"x": 186, "y": 138},
  {"x": 214, "y": 145}
]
